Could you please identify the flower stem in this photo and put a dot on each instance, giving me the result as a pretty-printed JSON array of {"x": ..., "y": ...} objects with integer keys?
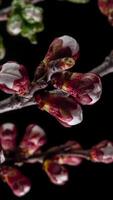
[
  {"x": 106, "y": 67},
  {"x": 50, "y": 153},
  {"x": 14, "y": 103}
]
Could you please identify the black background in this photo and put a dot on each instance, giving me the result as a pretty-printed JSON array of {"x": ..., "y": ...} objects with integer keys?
[{"x": 94, "y": 34}]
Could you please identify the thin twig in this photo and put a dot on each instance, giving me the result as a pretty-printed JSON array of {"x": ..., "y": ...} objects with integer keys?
[
  {"x": 106, "y": 67},
  {"x": 14, "y": 103},
  {"x": 50, "y": 153}
]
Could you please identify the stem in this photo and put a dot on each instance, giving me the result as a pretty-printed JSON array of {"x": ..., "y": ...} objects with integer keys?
[
  {"x": 14, "y": 103},
  {"x": 106, "y": 67},
  {"x": 59, "y": 150}
]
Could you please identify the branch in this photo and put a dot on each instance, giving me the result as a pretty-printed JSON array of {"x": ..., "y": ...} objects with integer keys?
[
  {"x": 102, "y": 152},
  {"x": 106, "y": 67},
  {"x": 40, "y": 157},
  {"x": 14, "y": 103}
]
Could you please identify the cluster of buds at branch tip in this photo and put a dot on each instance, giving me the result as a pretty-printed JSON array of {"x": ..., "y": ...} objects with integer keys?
[
  {"x": 31, "y": 143},
  {"x": 69, "y": 91},
  {"x": 54, "y": 161}
]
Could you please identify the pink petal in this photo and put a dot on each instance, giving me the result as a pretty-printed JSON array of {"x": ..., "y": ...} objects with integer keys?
[
  {"x": 85, "y": 88},
  {"x": 64, "y": 46},
  {"x": 56, "y": 173},
  {"x": 33, "y": 139},
  {"x": 64, "y": 109},
  {"x": 14, "y": 78},
  {"x": 102, "y": 152},
  {"x": 8, "y": 133},
  {"x": 18, "y": 183}
]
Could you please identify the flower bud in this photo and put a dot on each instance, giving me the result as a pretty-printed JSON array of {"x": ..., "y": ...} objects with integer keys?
[
  {"x": 14, "y": 78},
  {"x": 106, "y": 7},
  {"x": 33, "y": 139},
  {"x": 32, "y": 14},
  {"x": 18, "y": 183},
  {"x": 64, "y": 46},
  {"x": 85, "y": 88},
  {"x": 64, "y": 109},
  {"x": 102, "y": 152},
  {"x": 8, "y": 133},
  {"x": 56, "y": 173}
]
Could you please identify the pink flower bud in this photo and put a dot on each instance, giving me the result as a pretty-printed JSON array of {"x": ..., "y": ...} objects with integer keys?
[
  {"x": 14, "y": 78},
  {"x": 68, "y": 158},
  {"x": 85, "y": 88},
  {"x": 106, "y": 7},
  {"x": 8, "y": 133},
  {"x": 33, "y": 139},
  {"x": 64, "y": 109},
  {"x": 64, "y": 46},
  {"x": 56, "y": 173},
  {"x": 18, "y": 183},
  {"x": 102, "y": 152}
]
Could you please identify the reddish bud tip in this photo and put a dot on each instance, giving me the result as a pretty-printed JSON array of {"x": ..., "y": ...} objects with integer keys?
[
  {"x": 57, "y": 173},
  {"x": 8, "y": 133},
  {"x": 64, "y": 46},
  {"x": 64, "y": 109},
  {"x": 19, "y": 184},
  {"x": 33, "y": 139},
  {"x": 103, "y": 152}
]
